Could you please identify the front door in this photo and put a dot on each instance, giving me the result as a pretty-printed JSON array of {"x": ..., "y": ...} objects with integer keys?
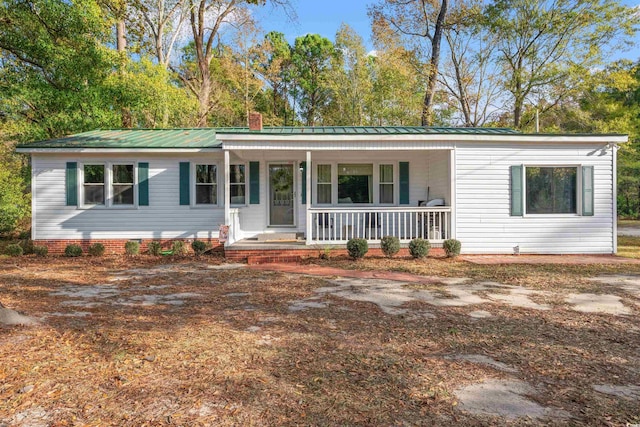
[{"x": 281, "y": 195}]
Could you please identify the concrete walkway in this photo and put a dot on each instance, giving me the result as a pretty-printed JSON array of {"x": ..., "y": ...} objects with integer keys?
[
  {"x": 629, "y": 231},
  {"x": 318, "y": 270}
]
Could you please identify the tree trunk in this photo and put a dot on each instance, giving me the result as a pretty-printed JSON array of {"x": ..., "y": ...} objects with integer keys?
[
  {"x": 427, "y": 106},
  {"x": 121, "y": 40}
]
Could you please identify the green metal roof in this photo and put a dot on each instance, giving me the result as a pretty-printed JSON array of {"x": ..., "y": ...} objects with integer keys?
[
  {"x": 198, "y": 138},
  {"x": 368, "y": 130},
  {"x": 134, "y": 138}
]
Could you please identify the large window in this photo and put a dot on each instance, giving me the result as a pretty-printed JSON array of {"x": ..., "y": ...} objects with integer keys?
[
  {"x": 386, "y": 184},
  {"x": 206, "y": 185},
  {"x": 551, "y": 190},
  {"x": 122, "y": 184},
  {"x": 94, "y": 185},
  {"x": 355, "y": 183},
  {"x": 237, "y": 185},
  {"x": 324, "y": 184}
]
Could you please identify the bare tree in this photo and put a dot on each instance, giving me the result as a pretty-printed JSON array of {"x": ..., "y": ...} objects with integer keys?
[{"x": 419, "y": 20}]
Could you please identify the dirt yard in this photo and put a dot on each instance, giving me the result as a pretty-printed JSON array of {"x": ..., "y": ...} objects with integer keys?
[{"x": 132, "y": 342}]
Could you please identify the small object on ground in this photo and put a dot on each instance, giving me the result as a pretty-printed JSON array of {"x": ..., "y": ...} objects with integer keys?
[
  {"x": 26, "y": 389},
  {"x": 150, "y": 358}
]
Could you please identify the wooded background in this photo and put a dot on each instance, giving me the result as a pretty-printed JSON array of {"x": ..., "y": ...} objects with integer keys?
[{"x": 72, "y": 66}]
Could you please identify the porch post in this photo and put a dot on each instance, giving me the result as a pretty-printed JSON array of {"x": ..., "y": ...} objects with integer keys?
[
  {"x": 309, "y": 199},
  {"x": 452, "y": 191},
  {"x": 227, "y": 197}
]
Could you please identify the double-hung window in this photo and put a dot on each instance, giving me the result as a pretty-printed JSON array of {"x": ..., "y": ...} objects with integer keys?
[
  {"x": 122, "y": 183},
  {"x": 386, "y": 184},
  {"x": 324, "y": 184},
  {"x": 93, "y": 185},
  {"x": 551, "y": 190},
  {"x": 206, "y": 183},
  {"x": 237, "y": 184},
  {"x": 355, "y": 183}
]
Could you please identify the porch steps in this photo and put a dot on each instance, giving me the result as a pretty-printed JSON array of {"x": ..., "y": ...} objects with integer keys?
[
  {"x": 269, "y": 259},
  {"x": 278, "y": 237}
]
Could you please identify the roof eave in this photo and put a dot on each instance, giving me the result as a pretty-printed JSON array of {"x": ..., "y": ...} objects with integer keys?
[{"x": 102, "y": 150}]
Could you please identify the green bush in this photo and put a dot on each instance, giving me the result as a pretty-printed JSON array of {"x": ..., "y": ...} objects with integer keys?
[
  {"x": 199, "y": 247},
  {"x": 41, "y": 251},
  {"x": 154, "y": 248},
  {"x": 97, "y": 249},
  {"x": 27, "y": 246},
  {"x": 14, "y": 249},
  {"x": 357, "y": 248},
  {"x": 73, "y": 250},
  {"x": 132, "y": 248},
  {"x": 24, "y": 235},
  {"x": 452, "y": 247},
  {"x": 419, "y": 248},
  {"x": 390, "y": 245},
  {"x": 179, "y": 248}
]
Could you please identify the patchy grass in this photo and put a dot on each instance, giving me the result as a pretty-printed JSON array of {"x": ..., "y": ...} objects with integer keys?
[
  {"x": 235, "y": 354},
  {"x": 629, "y": 247}
]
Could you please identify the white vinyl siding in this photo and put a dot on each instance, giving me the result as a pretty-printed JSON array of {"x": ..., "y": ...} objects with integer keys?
[
  {"x": 164, "y": 218},
  {"x": 484, "y": 224}
]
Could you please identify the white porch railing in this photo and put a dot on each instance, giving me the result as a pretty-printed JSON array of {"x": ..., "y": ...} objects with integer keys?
[{"x": 338, "y": 225}]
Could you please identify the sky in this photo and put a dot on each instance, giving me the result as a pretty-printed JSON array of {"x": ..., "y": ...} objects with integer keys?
[{"x": 324, "y": 17}]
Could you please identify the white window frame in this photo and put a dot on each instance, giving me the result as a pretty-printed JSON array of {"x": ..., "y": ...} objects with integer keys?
[
  {"x": 82, "y": 186},
  {"x": 193, "y": 185},
  {"x": 246, "y": 187},
  {"x": 108, "y": 184},
  {"x": 393, "y": 183},
  {"x": 577, "y": 167},
  {"x": 135, "y": 187},
  {"x": 376, "y": 183},
  {"x": 317, "y": 182}
]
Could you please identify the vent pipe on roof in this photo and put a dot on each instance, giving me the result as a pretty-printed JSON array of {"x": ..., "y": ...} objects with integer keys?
[
  {"x": 255, "y": 121},
  {"x": 537, "y": 121}
]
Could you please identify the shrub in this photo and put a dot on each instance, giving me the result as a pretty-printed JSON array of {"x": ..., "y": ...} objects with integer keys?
[
  {"x": 73, "y": 250},
  {"x": 27, "y": 246},
  {"x": 357, "y": 248},
  {"x": 154, "y": 248},
  {"x": 41, "y": 251},
  {"x": 97, "y": 249},
  {"x": 452, "y": 247},
  {"x": 132, "y": 248},
  {"x": 390, "y": 245},
  {"x": 199, "y": 247},
  {"x": 179, "y": 248},
  {"x": 419, "y": 248},
  {"x": 14, "y": 250},
  {"x": 24, "y": 235}
]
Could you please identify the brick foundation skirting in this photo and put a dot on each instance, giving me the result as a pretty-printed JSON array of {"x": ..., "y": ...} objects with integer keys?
[
  {"x": 261, "y": 256},
  {"x": 116, "y": 246}
]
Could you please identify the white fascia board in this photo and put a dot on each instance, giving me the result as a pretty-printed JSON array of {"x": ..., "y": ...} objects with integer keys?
[
  {"x": 228, "y": 139},
  {"x": 117, "y": 150}
]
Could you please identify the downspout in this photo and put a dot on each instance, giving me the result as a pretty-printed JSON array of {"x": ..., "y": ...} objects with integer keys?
[
  {"x": 452, "y": 190},
  {"x": 614, "y": 201},
  {"x": 227, "y": 199}
]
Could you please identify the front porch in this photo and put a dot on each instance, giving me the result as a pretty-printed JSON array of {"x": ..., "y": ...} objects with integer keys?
[{"x": 328, "y": 197}]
